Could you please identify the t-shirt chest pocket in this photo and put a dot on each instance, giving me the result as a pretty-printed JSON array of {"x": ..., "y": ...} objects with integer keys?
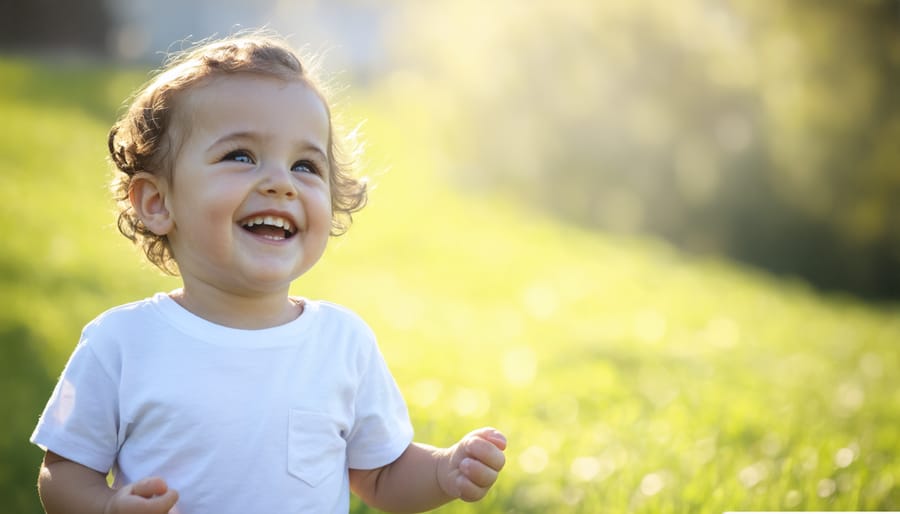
[{"x": 315, "y": 446}]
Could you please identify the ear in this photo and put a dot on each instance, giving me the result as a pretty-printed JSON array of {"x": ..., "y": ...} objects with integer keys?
[{"x": 149, "y": 198}]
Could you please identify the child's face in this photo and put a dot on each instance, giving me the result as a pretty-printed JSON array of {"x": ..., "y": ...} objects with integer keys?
[{"x": 250, "y": 195}]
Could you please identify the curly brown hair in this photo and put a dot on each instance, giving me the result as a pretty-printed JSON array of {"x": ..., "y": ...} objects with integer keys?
[{"x": 141, "y": 140}]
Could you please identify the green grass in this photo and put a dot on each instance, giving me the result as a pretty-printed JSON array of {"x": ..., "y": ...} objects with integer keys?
[{"x": 628, "y": 377}]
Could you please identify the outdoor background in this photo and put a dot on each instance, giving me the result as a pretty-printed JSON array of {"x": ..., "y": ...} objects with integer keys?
[{"x": 656, "y": 243}]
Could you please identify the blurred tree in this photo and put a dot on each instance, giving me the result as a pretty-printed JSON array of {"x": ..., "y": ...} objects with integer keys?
[
  {"x": 54, "y": 25},
  {"x": 766, "y": 131}
]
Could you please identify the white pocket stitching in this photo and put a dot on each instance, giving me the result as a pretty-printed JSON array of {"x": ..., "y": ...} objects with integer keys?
[{"x": 315, "y": 446}]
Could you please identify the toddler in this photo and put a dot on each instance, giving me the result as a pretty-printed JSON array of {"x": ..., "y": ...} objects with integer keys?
[{"x": 228, "y": 395}]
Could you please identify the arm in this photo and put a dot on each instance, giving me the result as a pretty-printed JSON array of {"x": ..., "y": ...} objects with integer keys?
[
  {"x": 425, "y": 477},
  {"x": 68, "y": 487}
]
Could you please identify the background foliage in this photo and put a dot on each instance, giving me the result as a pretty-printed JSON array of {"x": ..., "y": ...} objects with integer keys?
[
  {"x": 765, "y": 131},
  {"x": 759, "y": 130},
  {"x": 629, "y": 376}
]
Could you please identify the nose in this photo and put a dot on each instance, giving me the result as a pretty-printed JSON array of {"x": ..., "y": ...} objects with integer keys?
[{"x": 277, "y": 181}]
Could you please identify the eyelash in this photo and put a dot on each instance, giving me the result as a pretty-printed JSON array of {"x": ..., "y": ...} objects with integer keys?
[
  {"x": 235, "y": 155},
  {"x": 311, "y": 166}
]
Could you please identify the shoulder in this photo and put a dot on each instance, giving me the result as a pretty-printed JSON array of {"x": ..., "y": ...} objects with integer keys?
[
  {"x": 122, "y": 327},
  {"x": 350, "y": 339},
  {"x": 337, "y": 317},
  {"x": 129, "y": 317},
  {"x": 105, "y": 341}
]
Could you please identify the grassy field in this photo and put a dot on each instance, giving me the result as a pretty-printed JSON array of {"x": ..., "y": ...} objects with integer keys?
[{"x": 627, "y": 376}]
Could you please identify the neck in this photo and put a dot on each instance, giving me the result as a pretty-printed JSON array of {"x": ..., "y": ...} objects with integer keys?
[{"x": 247, "y": 311}]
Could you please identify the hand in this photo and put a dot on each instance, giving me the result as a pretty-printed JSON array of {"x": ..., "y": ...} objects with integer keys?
[
  {"x": 147, "y": 496},
  {"x": 471, "y": 466}
]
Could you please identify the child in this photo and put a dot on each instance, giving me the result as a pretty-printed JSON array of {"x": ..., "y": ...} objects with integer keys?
[{"x": 228, "y": 395}]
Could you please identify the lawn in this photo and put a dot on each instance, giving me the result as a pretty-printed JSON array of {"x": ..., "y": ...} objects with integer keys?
[{"x": 628, "y": 377}]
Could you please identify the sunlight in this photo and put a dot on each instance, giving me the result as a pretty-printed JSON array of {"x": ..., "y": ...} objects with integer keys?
[
  {"x": 525, "y": 157},
  {"x": 66, "y": 402},
  {"x": 617, "y": 455},
  {"x": 844, "y": 457},
  {"x": 425, "y": 392},
  {"x": 533, "y": 459},
  {"x": 722, "y": 332},
  {"x": 562, "y": 409},
  {"x": 649, "y": 326},
  {"x": 541, "y": 301},
  {"x": 752, "y": 475},
  {"x": 809, "y": 459},
  {"x": 793, "y": 498},
  {"x": 520, "y": 366},
  {"x": 705, "y": 449},
  {"x": 826, "y": 487},
  {"x": 585, "y": 468},
  {"x": 652, "y": 484},
  {"x": 849, "y": 398},
  {"x": 471, "y": 402}
]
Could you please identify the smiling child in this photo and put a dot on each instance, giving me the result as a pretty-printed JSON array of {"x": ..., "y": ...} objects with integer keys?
[{"x": 229, "y": 395}]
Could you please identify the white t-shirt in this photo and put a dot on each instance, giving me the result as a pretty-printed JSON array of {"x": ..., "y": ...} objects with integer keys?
[{"x": 238, "y": 421}]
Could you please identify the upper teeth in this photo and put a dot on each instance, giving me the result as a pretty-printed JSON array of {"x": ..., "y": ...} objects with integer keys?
[{"x": 274, "y": 221}]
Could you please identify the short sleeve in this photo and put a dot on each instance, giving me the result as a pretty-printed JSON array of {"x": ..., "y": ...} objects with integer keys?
[
  {"x": 382, "y": 430},
  {"x": 80, "y": 421}
]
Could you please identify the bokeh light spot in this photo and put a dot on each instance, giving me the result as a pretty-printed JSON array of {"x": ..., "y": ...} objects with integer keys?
[
  {"x": 520, "y": 366},
  {"x": 540, "y": 301},
  {"x": 792, "y": 498},
  {"x": 826, "y": 487},
  {"x": 844, "y": 457},
  {"x": 471, "y": 402},
  {"x": 849, "y": 398},
  {"x": 752, "y": 475},
  {"x": 533, "y": 459},
  {"x": 585, "y": 468},
  {"x": 652, "y": 484},
  {"x": 426, "y": 392}
]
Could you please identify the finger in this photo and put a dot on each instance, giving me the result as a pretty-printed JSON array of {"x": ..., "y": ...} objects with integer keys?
[
  {"x": 149, "y": 487},
  {"x": 492, "y": 435},
  {"x": 134, "y": 504},
  {"x": 486, "y": 452},
  {"x": 478, "y": 473},
  {"x": 469, "y": 491}
]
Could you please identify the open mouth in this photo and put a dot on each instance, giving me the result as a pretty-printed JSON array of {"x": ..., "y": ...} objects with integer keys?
[{"x": 275, "y": 228}]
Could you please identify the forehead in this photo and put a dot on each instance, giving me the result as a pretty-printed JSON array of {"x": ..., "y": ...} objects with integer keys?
[{"x": 256, "y": 103}]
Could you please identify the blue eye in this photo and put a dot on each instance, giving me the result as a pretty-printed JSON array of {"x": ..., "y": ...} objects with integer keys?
[
  {"x": 239, "y": 156},
  {"x": 305, "y": 167}
]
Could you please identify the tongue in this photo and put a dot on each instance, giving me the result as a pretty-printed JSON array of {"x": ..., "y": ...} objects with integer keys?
[{"x": 267, "y": 230}]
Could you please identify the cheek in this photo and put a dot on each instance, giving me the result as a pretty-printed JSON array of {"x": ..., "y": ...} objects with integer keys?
[
  {"x": 323, "y": 202},
  {"x": 206, "y": 217}
]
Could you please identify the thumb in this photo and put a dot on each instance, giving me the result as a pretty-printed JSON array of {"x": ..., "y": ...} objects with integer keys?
[
  {"x": 492, "y": 435},
  {"x": 150, "y": 487},
  {"x": 166, "y": 501}
]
